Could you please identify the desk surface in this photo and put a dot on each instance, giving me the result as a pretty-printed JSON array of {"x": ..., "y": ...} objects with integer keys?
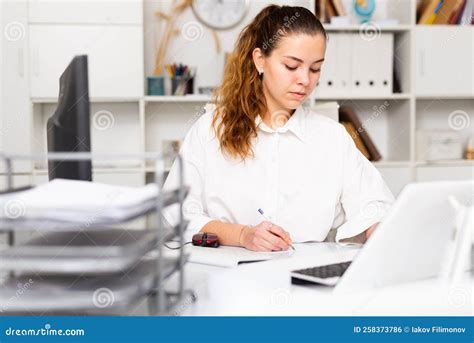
[{"x": 265, "y": 288}]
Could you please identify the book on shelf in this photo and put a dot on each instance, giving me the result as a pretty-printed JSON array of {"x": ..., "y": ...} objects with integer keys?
[
  {"x": 457, "y": 13},
  {"x": 467, "y": 13},
  {"x": 321, "y": 10},
  {"x": 427, "y": 11},
  {"x": 331, "y": 11},
  {"x": 339, "y": 7},
  {"x": 356, "y": 137},
  {"x": 445, "y": 12},
  {"x": 325, "y": 9},
  {"x": 348, "y": 115}
]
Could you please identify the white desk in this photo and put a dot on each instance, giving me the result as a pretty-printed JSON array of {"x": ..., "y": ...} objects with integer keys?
[{"x": 265, "y": 288}]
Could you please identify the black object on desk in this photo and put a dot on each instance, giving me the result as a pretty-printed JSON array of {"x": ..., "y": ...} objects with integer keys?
[
  {"x": 311, "y": 275},
  {"x": 204, "y": 239}
]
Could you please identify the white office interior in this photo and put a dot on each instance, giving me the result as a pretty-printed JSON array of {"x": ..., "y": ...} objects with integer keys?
[{"x": 411, "y": 86}]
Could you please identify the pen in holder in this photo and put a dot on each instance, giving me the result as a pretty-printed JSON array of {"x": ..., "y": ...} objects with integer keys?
[
  {"x": 181, "y": 85},
  {"x": 182, "y": 78}
]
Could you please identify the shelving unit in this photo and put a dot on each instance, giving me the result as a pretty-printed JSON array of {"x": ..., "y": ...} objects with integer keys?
[
  {"x": 356, "y": 28},
  {"x": 141, "y": 123},
  {"x": 143, "y": 260},
  {"x": 195, "y": 98}
]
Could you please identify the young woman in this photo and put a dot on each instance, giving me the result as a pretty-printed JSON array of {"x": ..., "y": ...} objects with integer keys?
[{"x": 258, "y": 148}]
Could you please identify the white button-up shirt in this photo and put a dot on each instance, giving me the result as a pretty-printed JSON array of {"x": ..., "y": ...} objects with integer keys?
[{"x": 307, "y": 176}]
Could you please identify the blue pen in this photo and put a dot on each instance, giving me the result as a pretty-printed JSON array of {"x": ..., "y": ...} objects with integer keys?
[{"x": 264, "y": 216}]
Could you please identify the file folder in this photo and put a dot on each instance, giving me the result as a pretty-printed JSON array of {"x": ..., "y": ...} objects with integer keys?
[
  {"x": 336, "y": 69},
  {"x": 372, "y": 64}
]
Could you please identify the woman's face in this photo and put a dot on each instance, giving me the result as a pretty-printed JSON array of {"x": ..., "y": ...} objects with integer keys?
[{"x": 292, "y": 70}]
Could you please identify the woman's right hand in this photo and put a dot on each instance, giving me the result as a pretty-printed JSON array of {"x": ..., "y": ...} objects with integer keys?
[{"x": 266, "y": 236}]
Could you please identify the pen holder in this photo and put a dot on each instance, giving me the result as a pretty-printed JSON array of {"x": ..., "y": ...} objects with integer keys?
[
  {"x": 156, "y": 85},
  {"x": 182, "y": 86}
]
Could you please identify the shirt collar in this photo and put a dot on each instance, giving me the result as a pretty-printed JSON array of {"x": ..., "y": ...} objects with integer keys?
[{"x": 296, "y": 124}]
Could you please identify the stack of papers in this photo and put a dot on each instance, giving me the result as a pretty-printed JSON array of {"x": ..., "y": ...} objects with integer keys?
[{"x": 78, "y": 202}]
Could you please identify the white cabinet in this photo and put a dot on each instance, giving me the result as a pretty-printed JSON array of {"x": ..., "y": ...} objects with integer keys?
[
  {"x": 15, "y": 126},
  {"x": 115, "y": 58},
  {"x": 85, "y": 12},
  {"x": 445, "y": 173},
  {"x": 396, "y": 178},
  {"x": 444, "y": 66}
]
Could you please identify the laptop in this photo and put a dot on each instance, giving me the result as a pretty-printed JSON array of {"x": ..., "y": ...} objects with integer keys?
[{"x": 409, "y": 244}]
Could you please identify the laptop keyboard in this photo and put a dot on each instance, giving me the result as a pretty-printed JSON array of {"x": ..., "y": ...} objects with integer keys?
[{"x": 327, "y": 271}]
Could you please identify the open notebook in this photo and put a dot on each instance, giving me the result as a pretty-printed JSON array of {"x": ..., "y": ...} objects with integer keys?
[{"x": 230, "y": 257}]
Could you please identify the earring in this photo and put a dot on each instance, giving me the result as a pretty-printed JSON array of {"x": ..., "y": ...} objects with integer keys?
[{"x": 260, "y": 72}]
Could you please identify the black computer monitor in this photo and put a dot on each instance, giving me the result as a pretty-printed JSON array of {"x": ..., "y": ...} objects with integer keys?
[{"x": 68, "y": 129}]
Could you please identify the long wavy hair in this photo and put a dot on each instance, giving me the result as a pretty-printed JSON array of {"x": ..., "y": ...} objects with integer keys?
[{"x": 240, "y": 98}]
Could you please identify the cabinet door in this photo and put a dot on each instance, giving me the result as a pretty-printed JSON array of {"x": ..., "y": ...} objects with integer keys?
[
  {"x": 115, "y": 57},
  {"x": 444, "y": 60},
  {"x": 85, "y": 12},
  {"x": 15, "y": 129},
  {"x": 425, "y": 174},
  {"x": 396, "y": 178}
]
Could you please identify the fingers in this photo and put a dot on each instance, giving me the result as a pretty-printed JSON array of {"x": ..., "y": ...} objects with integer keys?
[
  {"x": 269, "y": 237},
  {"x": 277, "y": 230},
  {"x": 263, "y": 245},
  {"x": 276, "y": 242}
]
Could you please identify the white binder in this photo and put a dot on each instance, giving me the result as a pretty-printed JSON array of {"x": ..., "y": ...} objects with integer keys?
[
  {"x": 372, "y": 64},
  {"x": 328, "y": 70},
  {"x": 343, "y": 74},
  {"x": 336, "y": 70},
  {"x": 357, "y": 65}
]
